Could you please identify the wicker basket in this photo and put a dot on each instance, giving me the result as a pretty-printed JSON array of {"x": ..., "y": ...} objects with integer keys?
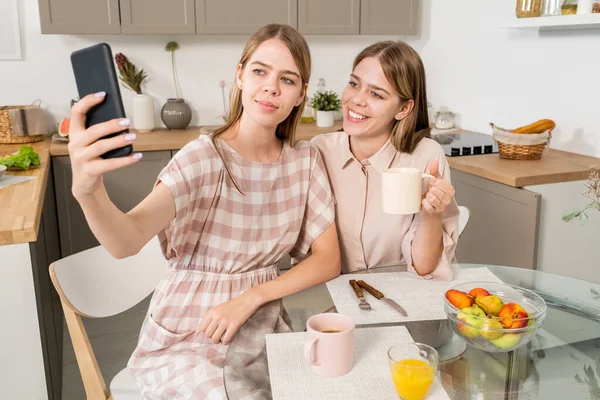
[
  {"x": 6, "y": 128},
  {"x": 522, "y": 151}
]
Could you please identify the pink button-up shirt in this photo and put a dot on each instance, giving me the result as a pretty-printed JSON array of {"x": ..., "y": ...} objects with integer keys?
[{"x": 369, "y": 237}]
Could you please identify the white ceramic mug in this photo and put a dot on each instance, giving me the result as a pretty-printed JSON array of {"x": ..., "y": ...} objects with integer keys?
[
  {"x": 330, "y": 347},
  {"x": 402, "y": 190}
]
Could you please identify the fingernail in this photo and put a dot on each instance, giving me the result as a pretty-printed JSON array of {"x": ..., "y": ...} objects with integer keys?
[
  {"x": 124, "y": 122},
  {"x": 130, "y": 137},
  {"x": 100, "y": 94},
  {"x": 137, "y": 156}
]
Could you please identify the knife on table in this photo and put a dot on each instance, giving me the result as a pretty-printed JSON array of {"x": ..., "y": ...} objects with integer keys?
[{"x": 381, "y": 297}]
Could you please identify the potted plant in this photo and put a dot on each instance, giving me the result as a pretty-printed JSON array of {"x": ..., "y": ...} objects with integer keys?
[
  {"x": 175, "y": 114},
  {"x": 143, "y": 104},
  {"x": 592, "y": 192},
  {"x": 325, "y": 103}
]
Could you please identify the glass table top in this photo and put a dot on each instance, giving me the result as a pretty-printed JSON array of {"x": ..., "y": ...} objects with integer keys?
[{"x": 561, "y": 362}]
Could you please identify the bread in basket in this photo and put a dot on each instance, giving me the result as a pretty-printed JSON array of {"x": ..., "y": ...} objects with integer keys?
[{"x": 524, "y": 143}]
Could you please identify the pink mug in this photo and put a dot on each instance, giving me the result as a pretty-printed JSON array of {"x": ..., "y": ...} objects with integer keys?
[{"x": 330, "y": 347}]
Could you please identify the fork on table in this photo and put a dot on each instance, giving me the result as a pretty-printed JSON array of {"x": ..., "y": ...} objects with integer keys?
[{"x": 363, "y": 305}]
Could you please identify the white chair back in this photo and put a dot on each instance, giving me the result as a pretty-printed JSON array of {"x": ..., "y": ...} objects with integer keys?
[
  {"x": 463, "y": 218},
  {"x": 98, "y": 285}
]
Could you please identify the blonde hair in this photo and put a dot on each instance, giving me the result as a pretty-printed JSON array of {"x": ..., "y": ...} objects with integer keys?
[
  {"x": 403, "y": 68},
  {"x": 297, "y": 45}
]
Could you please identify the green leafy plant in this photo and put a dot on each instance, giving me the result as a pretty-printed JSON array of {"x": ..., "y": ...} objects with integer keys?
[
  {"x": 129, "y": 75},
  {"x": 171, "y": 47},
  {"x": 326, "y": 101},
  {"x": 592, "y": 192},
  {"x": 25, "y": 158}
]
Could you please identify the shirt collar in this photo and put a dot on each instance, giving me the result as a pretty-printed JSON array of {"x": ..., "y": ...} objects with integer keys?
[{"x": 380, "y": 160}]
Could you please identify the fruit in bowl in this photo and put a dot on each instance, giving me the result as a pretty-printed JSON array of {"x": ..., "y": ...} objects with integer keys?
[
  {"x": 494, "y": 317},
  {"x": 471, "y": 328},
  {"x": 491, "y": 305}
]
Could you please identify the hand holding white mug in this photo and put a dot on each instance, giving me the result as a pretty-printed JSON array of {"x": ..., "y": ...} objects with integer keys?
[{"x": 439, "y": 193}]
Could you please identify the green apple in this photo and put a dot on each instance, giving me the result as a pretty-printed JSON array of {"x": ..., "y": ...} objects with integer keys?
[
  {"x": 473, "y": 310},
  {"x": 473, "y": 321},
  {"x": 506, "y": 341}
]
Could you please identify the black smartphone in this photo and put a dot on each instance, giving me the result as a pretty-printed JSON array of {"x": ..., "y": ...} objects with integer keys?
[{"x": 95, "y": 72}]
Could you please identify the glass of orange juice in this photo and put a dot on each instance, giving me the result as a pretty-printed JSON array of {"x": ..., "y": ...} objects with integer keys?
[{"x": 413, "y": 367}]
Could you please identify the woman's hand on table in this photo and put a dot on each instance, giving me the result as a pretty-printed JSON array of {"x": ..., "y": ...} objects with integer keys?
[{"x": 439, "y": 193}]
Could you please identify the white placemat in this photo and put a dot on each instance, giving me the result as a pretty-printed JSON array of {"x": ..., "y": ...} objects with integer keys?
[
  {"x": 8, "y": 180},
  {"x": 370, "y": 378},
  {"x": 423, "y": 299}
]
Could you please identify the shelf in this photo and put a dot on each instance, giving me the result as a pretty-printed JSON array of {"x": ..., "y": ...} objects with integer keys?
[{"x": 589, "y": 21}]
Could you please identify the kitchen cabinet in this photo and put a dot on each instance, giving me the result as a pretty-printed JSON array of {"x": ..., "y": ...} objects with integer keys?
[
  {"x": 331, "y": 17},
  {"x": 126, "y": 188},
  {"x": 389, "y": 17},
  {"x": 504, "y": 222},
  {"x": 158, "y": 17},
  {"x": 79, "y": 16},
  {"x": 243, "y": 17},
  {"x": 44, "y": 251},
  {"x": 339, "y": 17}
]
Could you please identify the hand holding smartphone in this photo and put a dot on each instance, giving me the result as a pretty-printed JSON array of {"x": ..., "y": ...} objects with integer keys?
[
  {"x": 95, "y": 73},
  {"x": 99, "y": 138}
]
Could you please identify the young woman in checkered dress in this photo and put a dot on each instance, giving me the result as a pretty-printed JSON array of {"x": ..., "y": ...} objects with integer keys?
[{"x": 226, "y": 209}]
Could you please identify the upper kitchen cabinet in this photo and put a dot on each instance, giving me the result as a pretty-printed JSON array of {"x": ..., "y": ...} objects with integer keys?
[
  {"x": 80, "y": 16},
  {"x": 158, "y": 16},
  {"x": 331, "y": 17},
  {"x": 389, "y": 17},
  {"x": 243, "y": 17}
]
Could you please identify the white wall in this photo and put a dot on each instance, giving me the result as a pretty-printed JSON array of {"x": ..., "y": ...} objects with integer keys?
[
  {"x": 512, "y": 77},
  {"x": 21, "y": 363},
  {"x": 480, "y": 70}
]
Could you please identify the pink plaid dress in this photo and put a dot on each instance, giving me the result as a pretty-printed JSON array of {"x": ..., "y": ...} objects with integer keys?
[{"x": 220, "y": 244}]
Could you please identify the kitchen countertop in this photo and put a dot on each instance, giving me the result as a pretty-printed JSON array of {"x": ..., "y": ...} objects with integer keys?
[
  {"x": 21, "y": 204},
  {"x": 556, "y": 166},
  {"x": 164, "y": 139}
]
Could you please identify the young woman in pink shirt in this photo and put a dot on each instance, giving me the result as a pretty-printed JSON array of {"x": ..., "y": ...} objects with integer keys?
[{"x": 386, "y": 126}]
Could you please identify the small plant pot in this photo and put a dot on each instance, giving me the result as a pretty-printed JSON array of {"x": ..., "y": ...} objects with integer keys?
[{"x": 325, "y": 119}]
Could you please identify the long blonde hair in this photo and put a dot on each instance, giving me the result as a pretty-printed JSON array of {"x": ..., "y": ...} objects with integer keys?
[
  {"x": 403, "y": 68},
  {"x": 297, "y": 45}
]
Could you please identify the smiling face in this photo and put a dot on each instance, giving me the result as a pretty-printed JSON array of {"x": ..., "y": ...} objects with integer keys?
[
  {"x": 370, "y": 104},
  {"x": 270, "y": 83}
]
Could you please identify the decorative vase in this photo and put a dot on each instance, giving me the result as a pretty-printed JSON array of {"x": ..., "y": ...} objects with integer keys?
[
  {"x": 176, "y": 114},
  {"x": 324, "y": 119},
  {"x": 143, "y": 113},
  {"x": 584, "y": 7}
]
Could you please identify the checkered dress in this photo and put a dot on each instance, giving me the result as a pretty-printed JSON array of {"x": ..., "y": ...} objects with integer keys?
[{"x": 220, "y": 244}]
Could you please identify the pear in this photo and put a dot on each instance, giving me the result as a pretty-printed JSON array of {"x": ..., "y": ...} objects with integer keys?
[
  {"x": 506, "y": 341},
  {"x": 491, "y": 305},
  {"x": 491, "y": 328}
]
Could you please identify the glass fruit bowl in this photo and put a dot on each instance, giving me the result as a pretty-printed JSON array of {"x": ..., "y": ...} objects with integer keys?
[{"x": 494, "y": 317}]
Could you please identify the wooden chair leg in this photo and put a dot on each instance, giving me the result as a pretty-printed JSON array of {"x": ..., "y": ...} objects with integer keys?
[{"x": 95, "y": 387}]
